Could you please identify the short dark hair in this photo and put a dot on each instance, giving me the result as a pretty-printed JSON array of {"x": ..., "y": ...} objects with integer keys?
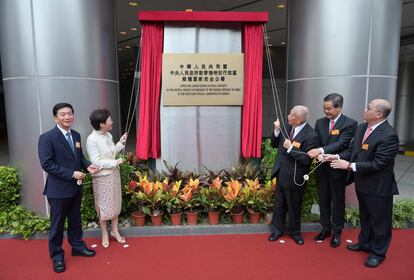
[
  {"x": 336, "y": 99},
  {"x": 59, "y": 106},
  {"x": 99, "y": 116}
]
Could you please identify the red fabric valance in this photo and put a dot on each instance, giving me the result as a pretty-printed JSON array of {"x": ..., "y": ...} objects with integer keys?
[
  {"x": 251, "y": 137},
  {"x": 243, "y": 17},
  {"x": 148, "y": 136}
]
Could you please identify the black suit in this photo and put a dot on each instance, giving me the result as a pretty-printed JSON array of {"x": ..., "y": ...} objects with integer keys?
[
  {"x": 375, "y": 184},
  {"x": 288, "y": 198},
  {"x": 63, "y": 193},
  {"x": 331, "y": 181}
]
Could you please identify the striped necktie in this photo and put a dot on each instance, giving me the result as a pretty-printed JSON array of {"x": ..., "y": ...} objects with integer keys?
[{"x": 70, "y": 141}]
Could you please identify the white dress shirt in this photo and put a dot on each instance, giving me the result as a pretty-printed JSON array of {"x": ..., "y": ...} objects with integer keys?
[
  {"x": 102, "y": 152},
  {"x": 297, "y": 130},
  {"x": 335, "y": 120}
]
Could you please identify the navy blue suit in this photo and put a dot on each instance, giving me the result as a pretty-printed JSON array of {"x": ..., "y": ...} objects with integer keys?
[{"x": 62, "y": 191}]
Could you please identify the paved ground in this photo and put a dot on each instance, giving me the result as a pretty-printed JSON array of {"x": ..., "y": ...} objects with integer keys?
[{"x": 404, "y": 172}]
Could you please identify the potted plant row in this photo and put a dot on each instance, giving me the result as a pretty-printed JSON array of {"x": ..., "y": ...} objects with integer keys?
[{"x": 193, "y": 195}]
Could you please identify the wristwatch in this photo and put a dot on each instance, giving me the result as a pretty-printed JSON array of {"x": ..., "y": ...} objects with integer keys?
[{"x": 349, "y": 167}]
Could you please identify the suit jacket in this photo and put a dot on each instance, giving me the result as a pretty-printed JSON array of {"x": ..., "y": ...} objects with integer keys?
[
  {"x": 284, "y": 165},
  {"x": 335, "y": 141},
  {"x": 59, "y": 162},
  {"x": 374, "y": 160}
]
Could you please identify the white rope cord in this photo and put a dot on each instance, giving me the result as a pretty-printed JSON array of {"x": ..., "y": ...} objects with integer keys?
[
  {"x": 278, "y": 110},
  {"x": 276, "y": 101},
  {"x": 137, "y": 67}
]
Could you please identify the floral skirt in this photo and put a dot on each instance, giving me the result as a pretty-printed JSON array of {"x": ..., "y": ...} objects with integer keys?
[{"x": 107, "y": 195}]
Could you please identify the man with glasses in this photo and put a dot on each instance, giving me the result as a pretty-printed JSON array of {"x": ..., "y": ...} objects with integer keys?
[
  {"x": 370, "y": 161},
  {"x": 61, "y": 157},
  {"x": 335, "y": 132}
]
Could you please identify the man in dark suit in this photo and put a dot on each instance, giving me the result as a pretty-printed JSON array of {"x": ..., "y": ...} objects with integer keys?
[
  {"x": 370, "y": 160},
  {"x": 335, "y": 133},
  {"x": 292, "y": 163},
  {"x": 61, "y": 157}
]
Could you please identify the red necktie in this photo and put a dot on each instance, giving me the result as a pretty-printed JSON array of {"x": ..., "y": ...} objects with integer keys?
[
  {"x": 292, "y": 133},
  {"x": 332, "y": 125},
  {"x": 367, "y": 133}
]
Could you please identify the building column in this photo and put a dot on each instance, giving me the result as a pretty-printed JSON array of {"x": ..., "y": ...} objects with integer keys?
[
  {"x": 349, "y": 47},
  {"x": 54, "y": 51},
  {"x": 404, "y": 120}
]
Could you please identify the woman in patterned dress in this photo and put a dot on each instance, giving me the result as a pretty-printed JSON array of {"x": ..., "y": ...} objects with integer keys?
[{"x": 106, "y": 182}]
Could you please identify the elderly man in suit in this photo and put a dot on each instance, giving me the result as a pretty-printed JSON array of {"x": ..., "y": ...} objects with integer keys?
[
  {"x": 61, "y": 157},
  {"x": 335, "y": 132},
  {"x": 292, "y": 163},
  {"x": 370, "y": 160}
]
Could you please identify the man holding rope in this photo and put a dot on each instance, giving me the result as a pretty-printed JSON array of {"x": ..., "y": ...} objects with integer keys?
[{"x": 291, "y": 165}]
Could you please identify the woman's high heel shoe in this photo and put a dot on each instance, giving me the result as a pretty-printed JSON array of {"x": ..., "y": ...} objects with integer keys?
[
  {"x": 105, "y": 244},
  {"x": 119, "y": 240}
]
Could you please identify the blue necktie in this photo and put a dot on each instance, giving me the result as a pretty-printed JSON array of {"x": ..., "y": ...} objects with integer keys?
[{"x": 69, "y": 139}]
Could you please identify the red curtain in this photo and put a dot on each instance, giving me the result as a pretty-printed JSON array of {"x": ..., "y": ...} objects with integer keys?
[
  {"x": 148, "y": 135},
  {"x": 252, "y": 102}
]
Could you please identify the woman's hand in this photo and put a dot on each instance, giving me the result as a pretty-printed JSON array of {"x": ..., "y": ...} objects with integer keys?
[{"x": 123, "y": 138}]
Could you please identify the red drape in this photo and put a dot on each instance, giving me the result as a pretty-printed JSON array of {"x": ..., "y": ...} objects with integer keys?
[
  {"x": 148, "y": 135},
  {"x": 252, "y": 102}
]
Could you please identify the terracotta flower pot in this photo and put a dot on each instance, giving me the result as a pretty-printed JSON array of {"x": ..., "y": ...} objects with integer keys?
[
  {"x": 237, "y": 217},
  {"x": 213, "y": 217},
  {"x": 139, "y": 218},
  {"x": 176, "y": 219},
  {"x": 156, "y": 220},
  {"x": 191, "y": 218},
  {"x": 254, "y": 217}
]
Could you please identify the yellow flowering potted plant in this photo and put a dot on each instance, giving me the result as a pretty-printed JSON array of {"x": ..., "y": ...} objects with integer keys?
[
  {"x": 269, "y": 192},
  {"x": 189, "y": 200},
  {"x": 173, "y": 203},
  {"x": 152, "y": 194},
  {"x": 233, "y": 200},
  {"x": 254, "y": 200},
  {"x": 211, "y": 199},
  {"x": 133, "y": 188}
]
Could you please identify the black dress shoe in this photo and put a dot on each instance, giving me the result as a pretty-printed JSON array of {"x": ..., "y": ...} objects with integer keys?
[
  {"x": 335, "y": 241},
  {"x": 322, "y": 235},
  {"x": 298, "y": 239},
  {"x": 84, "y": 253},
  {"x": 58, "y": 266},
  {"x": 274, "y": 236},
  {"x": 357, "y": 247},
  {"x": 373, "y": 262}
]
